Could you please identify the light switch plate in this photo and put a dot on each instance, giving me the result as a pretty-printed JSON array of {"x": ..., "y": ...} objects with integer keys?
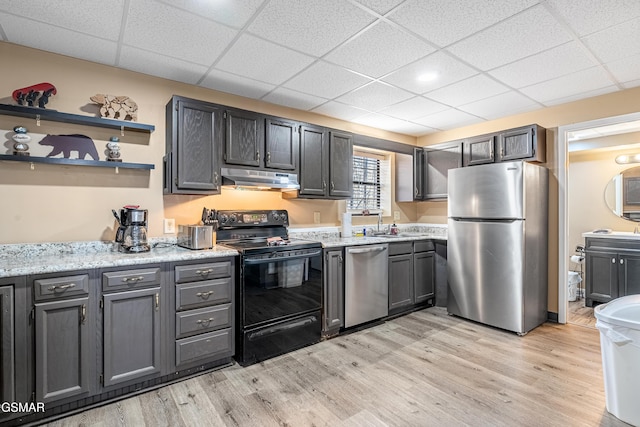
[
  {"x": 169, "y": 226},
  {"x": 316, "y": 217},
  {"x": 396, "y": 215}
]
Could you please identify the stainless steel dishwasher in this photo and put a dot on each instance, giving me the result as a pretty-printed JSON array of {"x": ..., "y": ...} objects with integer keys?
[{"x": 366, "y": 287}]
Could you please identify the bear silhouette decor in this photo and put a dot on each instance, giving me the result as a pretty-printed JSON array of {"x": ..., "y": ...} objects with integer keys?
[{"x": 65, "y": 144}]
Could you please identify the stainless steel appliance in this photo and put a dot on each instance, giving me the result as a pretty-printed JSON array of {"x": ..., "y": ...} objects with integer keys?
[
  {"x": 279, "y": 292},
  {"x": 497, "y": 244},
  {"x": 366, "y": 284},
  {"x": 132, "y": 232},
  {"x": 259, "y": 179},
  {"x": 195, "y": 236}
]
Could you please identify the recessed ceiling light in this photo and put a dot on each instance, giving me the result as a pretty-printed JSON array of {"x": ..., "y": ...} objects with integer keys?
[{"x": 427, "y": 77}]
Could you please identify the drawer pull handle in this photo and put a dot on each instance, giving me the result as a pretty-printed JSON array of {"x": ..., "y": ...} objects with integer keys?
[
  {"x": 83, "y": 314},
  {"x": 204, "y": 295},
  {"x": 132, "y": 279},
  {"x": 204, "y": 272},
  {"x": 157, "y": 301},
  {"x": 205, "y": 321},
  {"x": 61, "y": 287}
]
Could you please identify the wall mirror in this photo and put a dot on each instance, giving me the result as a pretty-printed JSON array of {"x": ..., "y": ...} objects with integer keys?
[{"x": 622, "y": 194}]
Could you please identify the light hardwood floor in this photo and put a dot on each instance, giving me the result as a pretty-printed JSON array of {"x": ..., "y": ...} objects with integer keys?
[
  {"x": 581, "y": 315},
  {"x": 422, "y": 369}
]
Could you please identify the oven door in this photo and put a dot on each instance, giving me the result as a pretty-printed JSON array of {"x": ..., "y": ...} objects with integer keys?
[{"x": 280, "y": 285}]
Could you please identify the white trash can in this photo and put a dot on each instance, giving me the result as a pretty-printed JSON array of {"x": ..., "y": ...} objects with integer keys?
[
  {"x": 574, "y": 280},
  {"x": 619, "y": 325}
]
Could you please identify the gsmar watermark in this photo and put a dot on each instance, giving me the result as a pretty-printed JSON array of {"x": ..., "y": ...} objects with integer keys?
[{"x": 21, "y": 407}]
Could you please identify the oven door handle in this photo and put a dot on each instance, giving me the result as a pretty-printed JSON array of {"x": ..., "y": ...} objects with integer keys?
[
  {"x": 283, "y": 327},
  {"x": 254, "y": 261}
]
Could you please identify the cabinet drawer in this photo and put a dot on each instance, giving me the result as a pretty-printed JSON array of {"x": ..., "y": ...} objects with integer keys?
[
  {"x": 400, "y": 248},
  {"x": 212, "y": 270},
  {"x": 424, "y": 246},
  {"x": 58, "y": 287},
  {"x": 128, "y": 279},
  {"x": 211, "y": 346},
  {"x": 202, "y": 320},
  {"x": 200, "y": 294}
]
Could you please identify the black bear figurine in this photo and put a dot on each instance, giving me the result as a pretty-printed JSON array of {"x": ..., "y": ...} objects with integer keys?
[{"x": 65, "y": 144}]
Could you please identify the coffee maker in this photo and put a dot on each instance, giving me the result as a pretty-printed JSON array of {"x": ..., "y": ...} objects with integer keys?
[{"x": 132, "y": 232}]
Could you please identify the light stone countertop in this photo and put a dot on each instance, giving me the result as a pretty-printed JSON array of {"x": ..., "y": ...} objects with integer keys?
[{"x": 613, "y": 235}]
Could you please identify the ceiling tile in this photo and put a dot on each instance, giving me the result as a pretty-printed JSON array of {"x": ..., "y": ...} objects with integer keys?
[
  {"x": 101, "y": 19},
  {"x": 391, "y": 124},
  {"x": 235, "y": 13},
  {"x": 293, "y": 99},
  {"x": 445, "y": 22},
  {"x": 626, "y": 69},
  {"x": 447, "y": 68},
  {"x": 58, "y": 40},
  {"x": 238, "y": 85},
  {"x": 552, "y": 63},
  {"x": 326, "y": 80},
  {"x": 616, "y": 42},
  {"x": 448, "y": 119},
  {"x": 339, "y": 110},
  {"x": 631, "y": 83},
  {"x": 312, "y": 27},
  {"x": 526, "y": 34},
  {"x": 175, "y": 32},
  {"x": 466, "y": 91},
  {"x": 160, "y": 66},
  {"x": 374, "y": 96},
  {"x": 261, "y": 60},
  {"x": 380, "y": 6},
  {"x": 582, "y": 95},
  {"x": 503, "y": 105},
  {"x": 573, "y": 84},
  {"x": 588, "y": 16},
  {"x": 379, "y": 50},
  {"x": 413, "y": 108}
]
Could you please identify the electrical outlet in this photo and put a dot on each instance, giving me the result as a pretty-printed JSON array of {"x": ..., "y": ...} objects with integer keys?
[
  {"x": 316, "y": 217},
  {"x": 396, "y": 215},
  {"x": 169, "y": 226}
]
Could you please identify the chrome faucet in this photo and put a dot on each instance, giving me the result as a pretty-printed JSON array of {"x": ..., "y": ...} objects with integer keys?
[{"x": 379, "y": 220}]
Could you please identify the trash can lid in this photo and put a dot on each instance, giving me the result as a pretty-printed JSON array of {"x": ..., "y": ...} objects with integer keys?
[{"x": 623, "y": 311}]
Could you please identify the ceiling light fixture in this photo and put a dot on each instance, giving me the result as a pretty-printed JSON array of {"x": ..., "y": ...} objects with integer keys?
[
  {"x": 427, "y": 77},
  {"x": 626, "y": 159}
]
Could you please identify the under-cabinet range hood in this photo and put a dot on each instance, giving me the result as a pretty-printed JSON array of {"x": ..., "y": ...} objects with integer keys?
[{"x": 259, "y": 179}]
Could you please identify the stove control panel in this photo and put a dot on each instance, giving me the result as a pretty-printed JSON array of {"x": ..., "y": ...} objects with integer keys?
[{"x": 257, "y": 218}]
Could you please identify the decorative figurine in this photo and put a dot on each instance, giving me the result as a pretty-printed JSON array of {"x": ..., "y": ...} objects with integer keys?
[
  {"x": 20, "y": 146},
  {"x": 116, "y": 107},
  {"x": 65, "y": 144},
  {"x": 40, "y": 92},
  {"x": 113, "y": 150}
]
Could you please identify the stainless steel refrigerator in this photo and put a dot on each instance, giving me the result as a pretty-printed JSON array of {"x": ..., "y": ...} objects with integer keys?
[{"x": 497, "y": 244}]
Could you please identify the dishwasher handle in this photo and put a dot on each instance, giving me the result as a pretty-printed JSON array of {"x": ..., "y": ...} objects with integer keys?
[{"x": 367, "y": 250}]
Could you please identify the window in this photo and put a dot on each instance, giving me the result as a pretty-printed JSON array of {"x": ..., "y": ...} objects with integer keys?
[{"x": 371, "y": 182}]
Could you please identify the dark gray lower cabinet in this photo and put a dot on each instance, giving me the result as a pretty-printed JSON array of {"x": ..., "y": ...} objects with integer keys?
[
  {"x": 7, "y": 342},
  {"x": 132, "y": 336},
  {"x": 333, "y": 292},
  {"x": 411, "y": 275},
  {"x": 423, "y": 276}
]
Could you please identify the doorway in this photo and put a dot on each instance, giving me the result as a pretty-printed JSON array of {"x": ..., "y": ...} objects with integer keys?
[{"x": 586, "y": 155}]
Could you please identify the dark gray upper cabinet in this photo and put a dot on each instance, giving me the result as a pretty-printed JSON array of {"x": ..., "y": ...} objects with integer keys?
[
  {"x": 333, "y": 292},
  {"x": 282, "y": 144},
  {"x": 418, "y": 173},
  {"x": 340, "y": 164},
  {"x": 195, "y": 133},
  {"x": 438, "y": 160},
  {"x": 313, "y": 161},
  {"x": 525, "y": 143},
  {"x": 244, "y": 144},
  {"x": 479, "y": 150}
]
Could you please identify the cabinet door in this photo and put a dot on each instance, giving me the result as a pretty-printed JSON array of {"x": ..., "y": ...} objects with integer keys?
[
  {"x": 63, "y": 348},
  {"x": 438, "y": 162},
  {"x": 629, "y": 274},
  {"x": 313, "y": 161},
  {"x": 7, "y": 343},
  {"x": 400, "y": 282},
  {"x": 423, "y": 276},
  {"x": 418, "y": 173},
  {"x": 333, "y": 292},
  {"x": 601, "y": 276},
  {"x": 340, "y": 165},
  {"x": 131, "y": 335},
  {"x": 478, "y": 150},
  {"x": 517, "y": 144},
  {"x": 245, "y": 138},
  {"x": 199, "y": 135},
  {"x": 282, "y": 142}
]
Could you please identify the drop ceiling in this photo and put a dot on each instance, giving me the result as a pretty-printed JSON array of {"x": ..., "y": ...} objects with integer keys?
[{"x": 363, "y": 61}]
